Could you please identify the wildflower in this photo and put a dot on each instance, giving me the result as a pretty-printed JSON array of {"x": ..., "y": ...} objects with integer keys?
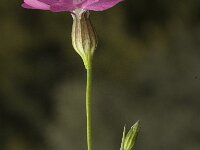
[{"x": 84, "y": 41}]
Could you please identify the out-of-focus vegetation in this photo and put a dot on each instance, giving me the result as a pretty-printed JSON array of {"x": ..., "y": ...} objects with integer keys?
[{"x": 147, "y": 67}]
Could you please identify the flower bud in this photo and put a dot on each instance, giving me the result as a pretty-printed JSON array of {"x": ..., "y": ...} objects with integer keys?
[
  {"x": 84, "y": 39},
  {"x": 128, "y": 141}
]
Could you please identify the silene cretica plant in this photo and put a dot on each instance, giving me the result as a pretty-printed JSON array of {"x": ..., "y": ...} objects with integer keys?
[{"x": 84, "y": 41}]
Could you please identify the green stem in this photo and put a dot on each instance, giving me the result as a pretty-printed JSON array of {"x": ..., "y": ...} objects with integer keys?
[{"x": 88, "y": 106}]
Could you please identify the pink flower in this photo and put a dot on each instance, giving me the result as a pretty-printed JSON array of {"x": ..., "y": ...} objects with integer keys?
[
  {"x": 84, "y": 38},
  {"x": 70, "y": 5}
]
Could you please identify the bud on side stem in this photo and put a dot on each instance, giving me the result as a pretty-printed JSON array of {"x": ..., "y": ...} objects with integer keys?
[
  {"x": 84, "y": 39},
  {"x": 129, "y": 139}
]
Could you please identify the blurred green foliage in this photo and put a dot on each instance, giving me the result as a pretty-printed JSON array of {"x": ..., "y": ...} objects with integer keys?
[{"x": 147, "y": 67}]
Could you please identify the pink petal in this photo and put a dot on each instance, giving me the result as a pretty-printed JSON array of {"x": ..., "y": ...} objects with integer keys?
[
  {"x": 24, "y": 5},
  {"x": 76, "y": 3},
  {"x": 62, "y": 6},
  {"x": 102, "y": 5},
  {"x": 36, "y": 4},
  {"x": 89, "y": 2},
  {"x": 49, "y": 2}
]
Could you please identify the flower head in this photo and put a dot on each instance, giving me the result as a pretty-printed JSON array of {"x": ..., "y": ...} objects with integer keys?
[
  {"x": 84, "y": 38},
  {"x": 69, "y": 5}
]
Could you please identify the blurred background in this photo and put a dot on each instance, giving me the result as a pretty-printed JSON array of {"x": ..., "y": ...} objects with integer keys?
[{"x": 146, "y": 67}]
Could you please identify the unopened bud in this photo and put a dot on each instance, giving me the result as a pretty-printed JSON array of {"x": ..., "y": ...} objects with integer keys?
[
  {"x": 84, "y": 39},
  {"x": 128, "y": 141}
]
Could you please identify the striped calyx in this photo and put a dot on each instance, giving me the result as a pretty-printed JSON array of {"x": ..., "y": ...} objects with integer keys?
[{"x": 84, "y": 39}]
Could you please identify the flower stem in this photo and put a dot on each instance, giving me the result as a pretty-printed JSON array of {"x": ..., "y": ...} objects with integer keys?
[{"x": 88, "y": 106}]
